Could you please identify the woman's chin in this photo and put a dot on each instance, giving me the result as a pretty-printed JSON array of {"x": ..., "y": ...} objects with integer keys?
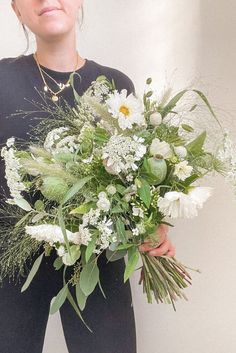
[{"x": 53, "y": 31}]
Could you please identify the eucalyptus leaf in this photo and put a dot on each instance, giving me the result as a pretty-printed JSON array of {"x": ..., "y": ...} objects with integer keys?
[
  {"x": 73, "y": 255},
  {"x": 32, "y": 272},
  {"x": 89, "y": 277},
  {"x": 145, "y": 192},
  {"x": 131, "y": 265},
  {"x": 80, "y": 297},
  {"x": 59, "y": 299},
  {"x": 120, "y": 228},
  {"x": 57, "y": 264},
  {"x": 115, "y": 255},
  {"x": 90, "y": 247}
]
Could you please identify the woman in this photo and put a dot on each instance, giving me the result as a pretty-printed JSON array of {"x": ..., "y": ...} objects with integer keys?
[{"x": 24, "y": 316}]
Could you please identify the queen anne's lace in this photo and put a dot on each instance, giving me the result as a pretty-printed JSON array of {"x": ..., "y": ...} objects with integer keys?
[{"x": 121, "y": 153}]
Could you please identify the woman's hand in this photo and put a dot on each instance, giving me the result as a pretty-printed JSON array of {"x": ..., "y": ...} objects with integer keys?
[{"x": 165, "y": 247}]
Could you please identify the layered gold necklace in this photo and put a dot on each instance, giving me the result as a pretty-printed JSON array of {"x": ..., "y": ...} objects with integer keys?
[{"x": 46, "y": 88}]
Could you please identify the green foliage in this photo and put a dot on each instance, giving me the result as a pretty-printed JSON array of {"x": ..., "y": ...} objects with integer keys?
[
  {"x": 120, "y": 228},
  {"x": 59, "y": 299},
  {"x": 89, "y": 277},
  {"x": 131, "y": 265},
  {"x": 33, "y": 272},
  {"x": 145, "y": 192},
  {"x": 195, "y": 147}
]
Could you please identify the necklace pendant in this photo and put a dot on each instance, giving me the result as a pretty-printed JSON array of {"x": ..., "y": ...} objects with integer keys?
[
  {"x": 54, "y": 98},
  {"x": 45, "y": 88}
]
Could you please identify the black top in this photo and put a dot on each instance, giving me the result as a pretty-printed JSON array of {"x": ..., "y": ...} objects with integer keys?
[{"x": 20, "y": 84}]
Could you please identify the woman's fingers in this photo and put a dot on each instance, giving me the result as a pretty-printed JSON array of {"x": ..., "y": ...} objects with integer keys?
[
  {"x": 171, "y": 251},
  {"x": 161, "y": 250}
]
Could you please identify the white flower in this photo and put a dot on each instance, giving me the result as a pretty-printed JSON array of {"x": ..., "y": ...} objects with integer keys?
[
  {"x": 141, "y": 228},
  {"x": 10, "y": 142},
  {"x": 160, "y": 148},
  {"x": 103, "y": 202},
  {"x": 183, "y": 170},
  {"x": 135, "y": 231},
  {"x": 12, "y": 168},
  {"x": 200, "y": 194},
  {"x": 85, "y": 235},
  {"x": 137, "y": 212},
  {"x": 51, "y": 233},
  {"x": 121, "y": 153},
  {"x": 155, "y": 119},
  {"x": 111, "y": 189},
  {"x": 57, "y": 142},
  {"x": 180, "y": 151},
  {"x": 61, "y": 251},
  {"x": 129, "y": 177},
  {"x": 179, "y": 205},
  {"x": 128, "y": 110},
  {"x": 91, "y": 217}
]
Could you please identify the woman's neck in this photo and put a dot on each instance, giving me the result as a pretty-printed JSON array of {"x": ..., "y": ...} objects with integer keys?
[{"x": 59, "y": 55}]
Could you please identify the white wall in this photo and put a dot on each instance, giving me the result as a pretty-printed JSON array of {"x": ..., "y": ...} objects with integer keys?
[{"x": 178, "y": 42}]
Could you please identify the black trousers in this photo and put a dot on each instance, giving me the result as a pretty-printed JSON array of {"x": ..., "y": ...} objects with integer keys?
[{"x": 23, "y": 316}]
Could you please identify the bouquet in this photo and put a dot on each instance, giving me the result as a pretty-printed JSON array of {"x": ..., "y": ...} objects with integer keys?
[{"x": 103, "y": 176}]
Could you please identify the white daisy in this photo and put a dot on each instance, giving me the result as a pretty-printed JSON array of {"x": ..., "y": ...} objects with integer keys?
[{"x": 127, "y": 109}]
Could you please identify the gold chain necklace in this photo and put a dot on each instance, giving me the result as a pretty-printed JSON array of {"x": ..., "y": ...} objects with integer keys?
[{"x": 62, "y": 86}]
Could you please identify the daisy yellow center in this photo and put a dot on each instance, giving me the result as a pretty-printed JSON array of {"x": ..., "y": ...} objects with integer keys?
[{"x": 125, "y": 110}]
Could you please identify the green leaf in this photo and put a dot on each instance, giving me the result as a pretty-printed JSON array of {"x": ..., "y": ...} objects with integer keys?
[
  {"x": 121, "y": 189},
  {"x": 145, "y": 192},
  {"x": 131, "y": 265},
  {"x": 172, "y": 103},
  {"x": 90, "y": 247},
  {"x": 59, "y": 299},
  {"x": 89, "y": 277},
  {"x": 115, "y": 255},
  {"x": 33, "y": 272},
  {"x": 124, "y": 246},
  {"x": 57, "y": 264},
  {"x": 63, "y": 228},
  {"x": 73, "y": 255},
  {"x": 120, "y": 228},
  {"x": 195, "y": 146},
  {"x": 76, "y": 95},
  {"x": 187, "y": 127},
  {"x": 75, "y": 189},
  {"x": 80, "y": 297},
  {"x": 22, "y": 203},
  {"x": 84, "y": 208},
  {"x": 205, "y": 100}
]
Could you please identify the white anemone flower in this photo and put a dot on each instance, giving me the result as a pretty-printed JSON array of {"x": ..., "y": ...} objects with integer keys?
[
  {"x": 127, "y": 109},
  {"x": 161, "y": 148},
  {"x": 183, "y": 170},
  {"x": 179, "y": 205}
]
